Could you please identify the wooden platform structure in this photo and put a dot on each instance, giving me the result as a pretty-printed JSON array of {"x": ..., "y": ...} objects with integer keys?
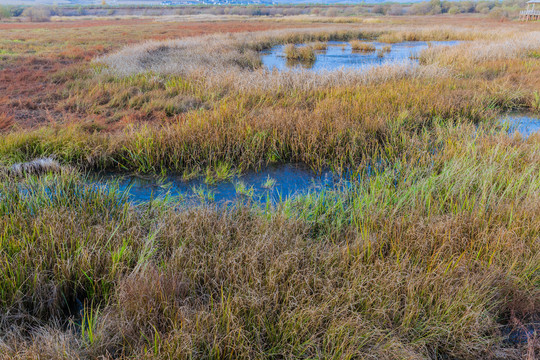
[{"x": 531, "y": 13}]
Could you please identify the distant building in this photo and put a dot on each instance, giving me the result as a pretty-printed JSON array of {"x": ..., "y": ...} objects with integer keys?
[{"x": 531, "y": 13}]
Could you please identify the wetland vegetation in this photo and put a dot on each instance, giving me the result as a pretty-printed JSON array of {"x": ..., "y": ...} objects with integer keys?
[{"x": 430, "y": 250}]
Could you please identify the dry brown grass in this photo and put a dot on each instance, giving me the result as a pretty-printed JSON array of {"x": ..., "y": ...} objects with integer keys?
[
  {"x": 362, "y": 46},
  {"x": 435, "y": 257},
  {"x": 476, "y": 52},
  {"x": 379, "y": 272},
  {"x": 299, "y": 53},
  {"x": 195, "y": 57},
  {"x": 44, "y": 56},
  {"x": 208, "y": 105},
  {"x": 320, "y": 46}
]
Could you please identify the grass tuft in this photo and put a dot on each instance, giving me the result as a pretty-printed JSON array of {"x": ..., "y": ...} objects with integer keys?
[
  {"x": 358, "y": 45},
  {"x": 299, "y": 53}
]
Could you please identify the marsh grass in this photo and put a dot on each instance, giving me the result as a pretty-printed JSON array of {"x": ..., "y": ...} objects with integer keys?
[
  {"x": 304, "y": 53},
  {"x": 203, "y": 194},
  {"x": 240, "y": 52},
  {"x": 247, "y": 131},
  {"x": 357, "y": 45},
  {"x": 384, "y": 50},
  {"x": 242, "y": 189},
  {"x": 536, "y": 100},
  {"x": 222, "y": 172},
  {"x": 319, "y": 46},
  {"x": 431, "y": 251},
  {"x": 433, "y": 254},
  {"x": 211, "y": 112},
  {"x": 269, "y": 183},
  {"x": 515, "y": 46}
]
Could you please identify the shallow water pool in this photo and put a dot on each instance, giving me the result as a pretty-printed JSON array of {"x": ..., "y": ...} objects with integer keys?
[
  {"x": 272, "y": 184},
  {"x": 525, "y": 124},
  {"x": 340, "y": 55}
]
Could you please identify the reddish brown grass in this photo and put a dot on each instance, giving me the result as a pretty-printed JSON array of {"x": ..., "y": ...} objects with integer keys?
[
  {"x": 29, "y": 85},
  {"x": 32, "y": 80},
  {"x": 28, "y": 92}
]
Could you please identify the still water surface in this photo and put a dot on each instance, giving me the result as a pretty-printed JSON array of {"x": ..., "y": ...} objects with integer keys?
[
  {"x": 525, "y": 124},
  {"x": 340, "y": 55},
  {"x": 275, "y": 183}
]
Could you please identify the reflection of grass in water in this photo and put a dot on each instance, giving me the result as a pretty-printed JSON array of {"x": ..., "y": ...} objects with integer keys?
[
  {"x": 300, "y": 53},
  {"x": 190, "y": 174},
  {"x": 304, "y": 64},
  {"x": 384, "y": 50}
]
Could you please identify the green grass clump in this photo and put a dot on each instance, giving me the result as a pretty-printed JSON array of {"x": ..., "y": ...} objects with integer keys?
[
  {"x": 242, "y": 189},
  {"x": 269, "y": 183},
  {"x": 222, "y": 172},
  {"x": 536, "y": 100}
]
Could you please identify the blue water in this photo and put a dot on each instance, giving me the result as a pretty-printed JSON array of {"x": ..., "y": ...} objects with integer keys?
[
  {"x": 289, "y": 180},
  {"x": 525, "y": 124},
  {"x": 340, "y": 55},
  {"x": 521, "y": 334}
]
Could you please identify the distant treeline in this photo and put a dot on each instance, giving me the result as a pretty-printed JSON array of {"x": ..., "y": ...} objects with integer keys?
[{"x": 506, "y": 8}]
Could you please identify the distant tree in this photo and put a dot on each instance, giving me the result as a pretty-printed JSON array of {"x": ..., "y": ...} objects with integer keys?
[
  {"x": 37, "y": 13},
  {"x": 454, "y": 10},
  {"x": 422, "y": 8},
  {"x": 332, "y": 12},
  {"x": 482, "y": 7},
  {"x": 361, "y": 9},
  {"x": 514, "y": 3},
  {"x": 5, "y": 12},
  {"x": 218, "y": 10},
  {"x": 467, "y": 6},
  {"x": 432, "y": 7},
  {"x": 499, "y": 14},
  {"x": 395, "y": 9},
  {"x": 436, "y": 7},
  {"x": 378, "y": 9}
]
